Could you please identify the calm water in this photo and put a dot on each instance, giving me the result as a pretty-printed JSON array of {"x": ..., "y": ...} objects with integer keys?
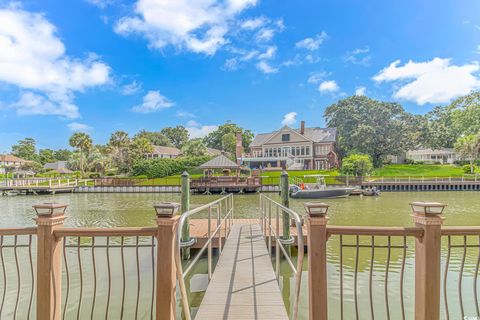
[{"x": 390, "y": 209}]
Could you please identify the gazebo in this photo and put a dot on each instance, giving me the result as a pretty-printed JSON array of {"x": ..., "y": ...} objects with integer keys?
[{"x": 225, "y": 183}]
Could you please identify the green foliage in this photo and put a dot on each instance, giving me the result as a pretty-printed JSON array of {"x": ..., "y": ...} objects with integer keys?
[
  {"x": 372, "y": 127},
  {"x": 468, "y": 169},
  {"x": 229, "y": 142},
  {"x": 83, "y": 143},
  {"x": 158, "y": 168},
  {"x": 156, "y": 138},
  {"x": 418, "y": 170},
  {"x": 62, "y": 154},
  {"x": 46, "y": 156},
  {"x": 469, "y": 148},
  {"x": 357, "y": 164},
  {"x": 178, "y": 135},
  {"x": 194, "y": 148},
  {"x": 214, "y": 139},
  {"x": 25, "y": 149}
]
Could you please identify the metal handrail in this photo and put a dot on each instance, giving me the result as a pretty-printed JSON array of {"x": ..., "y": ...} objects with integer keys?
[
  {"x": 266, "y": 223},
  {"x": 225, "y": 203}
]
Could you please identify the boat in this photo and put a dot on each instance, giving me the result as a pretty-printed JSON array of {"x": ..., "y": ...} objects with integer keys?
[
  {"x": 317, "y": 190},
  {"x": 357, "y": 192},
  {"x": 370, "y": 192}
]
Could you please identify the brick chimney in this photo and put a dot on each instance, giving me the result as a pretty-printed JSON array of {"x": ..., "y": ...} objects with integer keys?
[
  {"x": 302, "y": 127},
  {"x": 239, "y": 146}
]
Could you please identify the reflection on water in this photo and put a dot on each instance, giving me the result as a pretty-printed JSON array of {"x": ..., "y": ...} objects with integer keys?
[{"x": 390, "y": 209}]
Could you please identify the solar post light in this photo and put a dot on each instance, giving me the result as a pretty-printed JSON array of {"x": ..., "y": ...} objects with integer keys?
[
  {"x": 427, "y": 209},
  {"x": 50, "y": 209},
  {"x": 166, "y": 209},
  {"x": 316, "y": 209}
]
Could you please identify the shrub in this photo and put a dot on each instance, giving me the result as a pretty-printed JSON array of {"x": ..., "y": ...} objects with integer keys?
[
  {"x": 159, "y": 168},
  {"x": 466, "y": 168},
  {"x": 357, "y": 164},
  {"x": 94, "y": 175}
]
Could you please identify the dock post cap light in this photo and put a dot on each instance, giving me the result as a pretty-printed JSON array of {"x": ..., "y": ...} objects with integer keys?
[
  {"x": 50, "y": 209},
  {"x": 424, "y": 208},
  {"x": 185, "y": 174},
  {"x": 284, "y": 172},
  {"x": 166, "y": 209},
  {"x": 316, "y": 209}
]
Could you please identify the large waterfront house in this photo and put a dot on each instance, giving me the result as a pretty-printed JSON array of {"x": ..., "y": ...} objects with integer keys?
[
  {"x": 294, "y": 149},
  {"x": 428, "y": 156},
  {"x": 11, "y": 162}
]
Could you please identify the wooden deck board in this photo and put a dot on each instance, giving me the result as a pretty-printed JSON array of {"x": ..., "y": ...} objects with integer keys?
[{"x": 243, "y": 285}]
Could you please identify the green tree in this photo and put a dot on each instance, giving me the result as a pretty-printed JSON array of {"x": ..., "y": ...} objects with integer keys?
[
  {"x": 465, "y": 113},
  {"x": 194, "y": 148},
  {"x": 25, "y": 149},
  {"x": 229, "y": 142},
  {"x": 468, "y": 147},
  {"x": 178, "y": 135},
  {"x": 119, "y": 143},
  {"x": 139, "y": 148},
  {"x": 62, "y": 154},
  {"x": 438, "y": 130},
  {"x": 83, "y": 143},
  {"x": 214, "y": 139},
  {"x": 46, "y": 156},
  {"x": 98, "y": 160},
  {"x": 357, "y": 164},
  {"x": 156, "y": 138},
  {"x": 371, "y": 127}
]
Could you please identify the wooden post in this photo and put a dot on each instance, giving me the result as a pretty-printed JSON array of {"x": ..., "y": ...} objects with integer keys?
[
  {"x": 317, "y": 265},
  {"x": 285, "y": 202},
  {"x": 49, "y": 266},
  {"x": 166, "y": 270},
  {"x": 427, "y": 266},
  {"x": 185, "y": 207}
]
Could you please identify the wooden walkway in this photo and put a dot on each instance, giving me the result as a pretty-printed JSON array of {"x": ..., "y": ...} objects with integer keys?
[{"x": 243, "y": 285}]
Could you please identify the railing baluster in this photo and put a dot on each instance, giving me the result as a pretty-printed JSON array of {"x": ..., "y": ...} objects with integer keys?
[
  {"x": 123, "y": 277},
  {"x": 341, "y": 277},
  {"x": 386, "y": 276},
  {"x": 138, "y": 278},
  {"x": 94, "y": 278},
  {"x": 153, "y": 278},
  {"x": 445, "y": 275},
  {"x": 67, "y": 278},
  {"x": 475, "y": 278},
  {"x": 355, "y": 285},
  {"x": 109, "y": 279},
  {"x": 81, "y": 279},
  {"x": 209, "y": 249},
  {"x": 15, "y": 242},
  {"x": 371, "y": 278},
  {"x": 402, "y": 273},
  {"x": 460, "y": 276},
  {"x": 31, "y": 274}
]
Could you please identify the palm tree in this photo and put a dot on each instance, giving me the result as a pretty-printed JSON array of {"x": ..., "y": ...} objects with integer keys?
[
  {"x": 119, "y": 142},
  {"x": 468, "y": 147},
  {"x": 83, "y": 143}
]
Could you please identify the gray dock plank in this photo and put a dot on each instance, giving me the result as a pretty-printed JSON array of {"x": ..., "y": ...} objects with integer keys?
[{"x": 243, "y": 285}]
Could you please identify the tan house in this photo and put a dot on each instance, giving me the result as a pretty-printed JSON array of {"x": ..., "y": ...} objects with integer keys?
[
  {"x": 11, "y": 161},
  {"x": 164, "y": 152},
  {"x": 294, "y": 149}
]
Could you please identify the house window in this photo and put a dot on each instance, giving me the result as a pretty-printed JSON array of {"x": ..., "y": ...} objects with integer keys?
[
  {"x": 307, "y": 151},
  {"x": 286, "y": 137}
]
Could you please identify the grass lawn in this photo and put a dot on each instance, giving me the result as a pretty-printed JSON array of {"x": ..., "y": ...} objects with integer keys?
[{"x": 418, "y": 170}]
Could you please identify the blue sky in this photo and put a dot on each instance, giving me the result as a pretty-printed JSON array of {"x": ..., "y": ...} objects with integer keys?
[{"x": 106, "y": 65}]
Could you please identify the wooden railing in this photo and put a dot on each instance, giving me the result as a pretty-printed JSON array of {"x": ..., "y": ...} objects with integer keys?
[{"x": 434, "y": 292}]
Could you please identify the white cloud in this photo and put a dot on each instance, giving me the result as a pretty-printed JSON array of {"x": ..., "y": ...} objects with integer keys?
[
  {"x": 328, "y": 86},
  {"x": 131, "y": 88},
  {"x": 197, "y": 130},
  {"x": 289, "y": 119},
  {"x": 185, "y": 114},
  {"x": 254, "y": 23},
  {"x": 269, "y": 53},
  {"x": 359, "y": 56},
  {"x": 265, "y": 67},
  {"x": 33, "y": 59},
  {"x": 316, "y": 77},
  {"x": 265, "y": 35},
  {"x": 198, "y": 26},
  {"x": 79, "y": 127},
  {"x": 360, "y": 91},
  {"x": 100, "y": 3},
  {"x": 312, "y": 43},
  {"x": 153, "y": 101},
  {"x": 435, "y": 81}
]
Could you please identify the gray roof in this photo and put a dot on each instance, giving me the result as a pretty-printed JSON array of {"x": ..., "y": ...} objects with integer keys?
[
  {"x": 55, "y": 165},
  {"x": 315, "y": 134},
  {"x": 219, "y": 162}
]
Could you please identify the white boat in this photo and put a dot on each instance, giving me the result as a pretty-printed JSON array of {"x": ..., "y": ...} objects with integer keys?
[{"x": 317, "y": 190}]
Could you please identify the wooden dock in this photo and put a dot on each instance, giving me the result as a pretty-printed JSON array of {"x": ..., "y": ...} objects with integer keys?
[
  {"x": 243, "y": 285},
  {"x": 36, "y": 189}
]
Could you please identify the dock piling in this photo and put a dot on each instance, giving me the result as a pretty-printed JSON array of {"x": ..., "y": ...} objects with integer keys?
[{"x": 185, "y": 207}]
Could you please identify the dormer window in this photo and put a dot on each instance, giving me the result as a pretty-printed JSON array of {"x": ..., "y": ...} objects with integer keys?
[{"x": 286, "y": 137}]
